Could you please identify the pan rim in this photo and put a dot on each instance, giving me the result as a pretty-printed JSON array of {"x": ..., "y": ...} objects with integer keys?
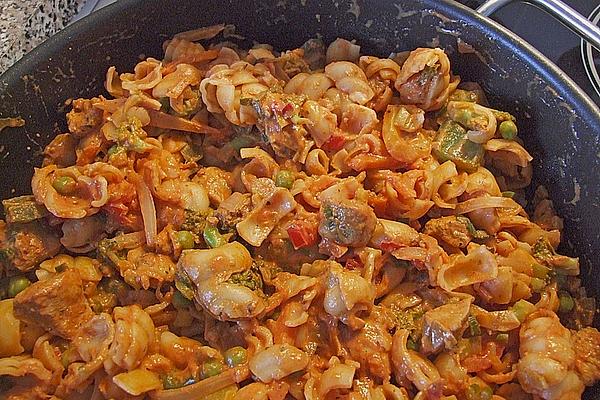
[{"x": 533, "y": 57}]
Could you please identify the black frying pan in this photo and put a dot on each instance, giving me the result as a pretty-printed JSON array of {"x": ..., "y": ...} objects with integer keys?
[{"x": 559, "y": 123}]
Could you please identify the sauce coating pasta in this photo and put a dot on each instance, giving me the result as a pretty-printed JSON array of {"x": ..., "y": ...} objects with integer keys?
[{"x": 307, "y": 224}]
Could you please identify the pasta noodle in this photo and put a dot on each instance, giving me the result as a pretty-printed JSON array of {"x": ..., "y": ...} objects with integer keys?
[{"x": 306, "y": 224}]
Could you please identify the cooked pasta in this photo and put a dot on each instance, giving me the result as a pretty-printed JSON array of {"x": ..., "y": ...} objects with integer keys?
[{"x": 307, "y": 224}]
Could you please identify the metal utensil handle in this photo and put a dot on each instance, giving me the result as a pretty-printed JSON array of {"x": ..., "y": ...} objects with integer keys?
[{"x": 559, "y": 10}]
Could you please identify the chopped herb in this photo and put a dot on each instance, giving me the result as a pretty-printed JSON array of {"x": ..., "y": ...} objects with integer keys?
[{"x": 474, "y": 327}]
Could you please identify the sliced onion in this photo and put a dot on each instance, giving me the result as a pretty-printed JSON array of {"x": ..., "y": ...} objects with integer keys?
[
  {"x": 205, "y": 387},
  {"x": 165, "y": 121},
  {"x": 148, "y": 210},
  {"x": 485, "y": 202},
  {"x": 206, "y": 32}
]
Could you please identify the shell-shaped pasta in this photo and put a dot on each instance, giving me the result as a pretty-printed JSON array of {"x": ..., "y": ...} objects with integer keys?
[
  {"x": 425, "y": 79},
  {"x": 220, "y": 262},
  {"x": 317, "y": 162},
  {"x": 346, "y": 292},
  {"x": 546, "y": 366},
  {"x": 224, "y": 87},
  {"x": 90, "y": 192},
  {"x": 24, "y": 365},
  {"x": 179, "y": 49},
  {"x": 173, "y": 84},
  {"x": 147, "y": 75},
  {"x": 358, "y": 120},
  {"x": 323, "y": 123},
  {"x": 441, "y": 325},
  {"x": 402, "y": 133},
  {"x": 477, "y": 266},
  {"x": 350, "y": 79},
  {"x": 259, "y": 223},
  {"x": 185, "y": 352},
  {"x": 385, "y": 69},
  {"x": 312, "y": 86},
  {"x": 411, "y": 365},
  {"x": 481, "y": 121},
  {"x": 187, "y": 195},
  {"x": 342, "y": 50},
  {"x": 113, "y": 84},
  {"x": 277, "y": 362},
  {"x": 500, "y": 289},
  {"x": 210, "y": 269},
  {"x": 134, "y": 333}
]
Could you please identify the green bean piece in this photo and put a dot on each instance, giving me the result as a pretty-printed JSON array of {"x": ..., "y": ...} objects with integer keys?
[
  {"x": 17, "y": 284},
  {"x": 537, "y": 284},
  {"x": 508, "y": 193},
  {"x": 236, "y": 356},
  {"x": 522, "y": 309},
  {"x": 64, "y": 185},
  {"x": 508, "y": 130},
  {"x": 185, "y": 239},
  {"x": 213, "y": 237},
  {"x": 284, "y": 178}
]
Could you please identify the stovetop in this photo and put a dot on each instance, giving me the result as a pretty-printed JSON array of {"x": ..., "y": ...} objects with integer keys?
[{"x": 550, "y": 37}]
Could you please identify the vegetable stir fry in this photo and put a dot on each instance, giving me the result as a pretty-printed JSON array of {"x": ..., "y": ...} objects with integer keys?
[{"x": 314, "y": 224}]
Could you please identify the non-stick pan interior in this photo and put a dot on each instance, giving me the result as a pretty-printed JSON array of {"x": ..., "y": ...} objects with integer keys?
[{"x": 560, "y": 126}]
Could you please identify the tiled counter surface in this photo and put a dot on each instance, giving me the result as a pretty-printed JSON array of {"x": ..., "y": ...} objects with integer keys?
[{"x": 26, "y": 23}]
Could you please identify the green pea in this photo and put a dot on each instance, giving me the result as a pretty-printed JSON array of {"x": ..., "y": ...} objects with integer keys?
[
  {"x": 235, "y": 356},
  {"x": 180, "y": 301},
  {"x": 211, "y": 368},
  {"x": 284, "y": 178},
  {"x": 185, "y": 239},
  {"x": 476, "y": 392},
  {"x": 172, "y": 382},
  {"x": 508, "y": 130},
  {"x": 17, "y": 284},
  {"x": 64, "y": 185},
  {"x": 566, "y": 302},
  {"x": 213, "y": 237}
]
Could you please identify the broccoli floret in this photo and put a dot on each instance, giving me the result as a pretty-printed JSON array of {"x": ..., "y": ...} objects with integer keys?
[{"x": 250, "y": 278}]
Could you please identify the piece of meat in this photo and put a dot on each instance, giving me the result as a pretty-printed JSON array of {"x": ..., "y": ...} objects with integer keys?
[
  {"x": 61, "y": 151},
  {"x": 84, "y": 117},
  {"x": 56, "y": 304},
  {"x": 347, "y": 222},
  {"x": 24, "y": 246},
  {"x": 371, "y": 345},
  {"x": 451, "y": 230},
  {"x": 442, "y": 324},
  {"x": 232, "y": 210},
  {"x": 586, "y": 344}
]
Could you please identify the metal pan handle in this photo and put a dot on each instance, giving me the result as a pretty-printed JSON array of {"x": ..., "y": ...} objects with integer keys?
[{"x": 559, "y": 10}]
